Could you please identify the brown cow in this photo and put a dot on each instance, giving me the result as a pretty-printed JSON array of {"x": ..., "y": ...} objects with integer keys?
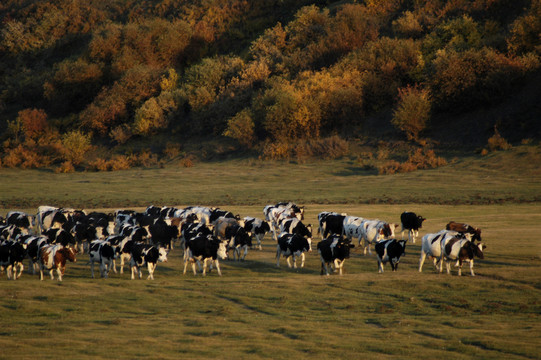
[
  {"x": 465, "y": 229},
  {"x": 53, "y": 257}
]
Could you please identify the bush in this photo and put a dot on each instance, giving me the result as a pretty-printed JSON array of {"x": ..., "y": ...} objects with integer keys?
[
  {"x": 65, "y": 167},
  {"x": 413, "y": 111},
  {"x": 421, "y": 158},
  {"x": 497, "y": 142},
  {"x": 34, "y": 122},
  {"x": 75, "y": 146},
  {"x": 241, "y": 128}
]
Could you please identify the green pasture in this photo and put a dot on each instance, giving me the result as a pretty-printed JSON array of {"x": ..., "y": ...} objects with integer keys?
[{"x": 258, "y": 311}]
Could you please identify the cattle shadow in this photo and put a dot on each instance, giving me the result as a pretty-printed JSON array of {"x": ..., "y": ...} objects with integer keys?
[{"x": 264, "y": 267}]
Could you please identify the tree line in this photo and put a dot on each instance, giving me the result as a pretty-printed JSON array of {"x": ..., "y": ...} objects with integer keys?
[{"x": 84, "y": 79}]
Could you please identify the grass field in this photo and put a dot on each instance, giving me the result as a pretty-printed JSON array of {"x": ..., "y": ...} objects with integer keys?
[{"x": 256, "y": 310}]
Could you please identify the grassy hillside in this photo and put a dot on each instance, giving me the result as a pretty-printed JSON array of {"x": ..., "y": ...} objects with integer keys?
[{"x": 510, "y": 176}]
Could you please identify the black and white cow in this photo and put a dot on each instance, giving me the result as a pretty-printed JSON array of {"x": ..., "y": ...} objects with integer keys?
[
  {"x": 459, "y": 249},
  {"x": 432, "y": 243},
  {"x": 295, "y": 226},
  {"x": 390, "y": 251},
  {"x": 330, "y": 223},
  {"x": 256, "y": 228},
  {"x": 191, "y": 230},
  {"x": 203, "y": 213},
  {"x": 217, "y": 213},
  {"x": 136, "y": 233},
  {"x": 103, "y": 223},
  {"x": 466, "y": 229},
  {"x": 103, "y": 253},
  {"x": 373, "y": 231},
  {"x": 204, "y": 248},
  {"x": 123, "y": 247},
  {"x": 59, "y": 236},
  {"x": 352, "y": 227},
  {"x": 333, "y": 250},
  {"x": 411, "y": 222},
  {"x": 275, "y": 214},
  {"x": 10, "y": 232},
  {"x": 150, "y": 255},
  {"x": 22, "y": 220},
  {"x": 292, "y": 245},
  {"x": 33, "y": 245},
  {"x": 49, "y": 217},
  {"x": 12, "y": 254}
]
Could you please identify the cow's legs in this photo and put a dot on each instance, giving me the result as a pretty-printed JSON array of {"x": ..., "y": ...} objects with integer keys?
[
  {"x": 380, "y": 266},
  {"x": 302, "y": 260},
  {"x": 218, "y": 267},
  {"x": 59, "y": 273},
  {"x": 422, "y": 261},
  {"x": 278, "y": 256},
  {"x": 151, "y": 268},
  {"x": 471, "y": 268},
  {"x": 92, "y": 268}
]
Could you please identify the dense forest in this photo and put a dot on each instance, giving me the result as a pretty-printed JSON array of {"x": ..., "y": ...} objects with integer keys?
[{"x": 110, "y": 84}]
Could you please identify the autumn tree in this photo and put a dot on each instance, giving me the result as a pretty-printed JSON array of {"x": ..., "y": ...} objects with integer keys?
[{"x": 413, "y": 111}]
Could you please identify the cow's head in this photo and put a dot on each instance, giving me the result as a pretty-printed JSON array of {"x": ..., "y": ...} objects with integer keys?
[{"x": 162, "y": 254}]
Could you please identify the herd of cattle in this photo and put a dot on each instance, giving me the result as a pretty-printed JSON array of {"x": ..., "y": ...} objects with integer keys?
[{"x": 55, "y": 236}]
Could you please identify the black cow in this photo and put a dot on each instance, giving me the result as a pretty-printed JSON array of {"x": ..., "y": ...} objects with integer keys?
[
  {"x": 163, "y": 234},
  {"x": 330, "y": 223},
  {"x": 412, "y": 223},
  {"x": 102, "y": 252},
  {"x": 292, "y": 245},
  {"x": 83, "y": 234},
  {"x": 204, "y": 248},
  {"x": 390, "y": 251},
  {"x": 237, "y": 239},
  {"x": 150, "y": 255},
  {"x": 333, "y": 250},
  {"x": 12, "y": 254},
  {"x": 256, "y": 228},
  {"x": 191, "y": 230}
]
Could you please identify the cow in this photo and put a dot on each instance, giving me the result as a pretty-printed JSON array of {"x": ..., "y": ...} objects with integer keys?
[
  {"x": 238, "y": 239},
  {"x": 123, "y": 249},
  {"x": 54, "y": 257},
  {"x": 292, "y": 245},
  {"x": 373, "y": 231},
  {"x": 162, "y": 234},
  {"x": 412, "y": 223},
  {"x": 136, "y": 233},
  {"x": 217, "y": 213},
  {"x": 330, "y": 223},
  {"x": 390, "y": 251},
  {"x": 103, "y": 253},
  {"x": 256, "y": 228},
  {"x": 150, "y": 255},
  {"x": 465, "y": 228},
  {"x": 352, "y": 227},
  {"x": 203, "y": 213},
  {"x": 83, "y": 234},
  {"x": 12, "y": 254},
  {"x": 431, "y": 245},
  {"x": 21, "y": 220},
  {"x": 222, "y": 224},
  {"x": 460, "y": 249},
  {"x": 10, "y": 232},
  {"x": 50, "y": 218},
  {"x": 333, "y": 250},
  {"x": 274, "y": 214},
  {"x": 103, "y": 223},
  {"x": 191, "y": 230},
  {"x": 204, "y": 248},
  {"x": 33, "y": 245},
  {"x": 59, "y": 236},
  {"x": 295, "y": 226}
]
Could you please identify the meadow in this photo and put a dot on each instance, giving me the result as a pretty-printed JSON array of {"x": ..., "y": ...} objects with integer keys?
[{"x": 257, "y": 310}]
